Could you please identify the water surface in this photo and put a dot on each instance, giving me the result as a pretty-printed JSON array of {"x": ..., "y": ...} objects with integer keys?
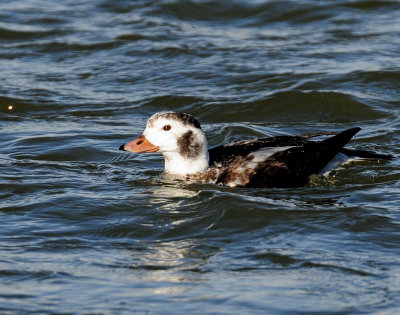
[{"x": 86, "y": 228}]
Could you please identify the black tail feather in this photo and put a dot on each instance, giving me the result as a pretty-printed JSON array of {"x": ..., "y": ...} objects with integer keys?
[{"x": 366, "y": 154}]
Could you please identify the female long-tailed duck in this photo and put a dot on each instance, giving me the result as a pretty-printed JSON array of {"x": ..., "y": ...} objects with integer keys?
[{"x": 282, "y": 161}]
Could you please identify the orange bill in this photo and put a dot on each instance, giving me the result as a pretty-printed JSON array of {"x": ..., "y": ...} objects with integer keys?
[{"x": 139, "y": 145}]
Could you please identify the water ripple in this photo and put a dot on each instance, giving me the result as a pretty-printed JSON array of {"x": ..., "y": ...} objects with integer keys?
[{"x": 78, "y": 215}]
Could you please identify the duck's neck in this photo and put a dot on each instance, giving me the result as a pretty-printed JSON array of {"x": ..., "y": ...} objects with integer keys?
[{"x": 177, "y": 164}]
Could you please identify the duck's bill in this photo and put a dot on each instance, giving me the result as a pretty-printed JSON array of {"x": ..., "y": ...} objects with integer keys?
[{"x": 139, "y": 145}]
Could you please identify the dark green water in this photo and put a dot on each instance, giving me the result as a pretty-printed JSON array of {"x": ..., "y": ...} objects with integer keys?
[{"x": 86, "y": 228}]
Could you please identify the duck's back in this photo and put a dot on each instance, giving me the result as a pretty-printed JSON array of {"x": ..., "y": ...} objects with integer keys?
[{"x": 283, "y": 161}]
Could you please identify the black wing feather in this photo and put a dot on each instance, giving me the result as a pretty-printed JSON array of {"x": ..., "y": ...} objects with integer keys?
[
  {"x": 294, "y": 166},
  {"x": 227, "y": 152}
]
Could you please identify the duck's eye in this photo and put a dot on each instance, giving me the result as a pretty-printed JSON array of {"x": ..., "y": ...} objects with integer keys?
[{"x": 166, "y": 127}]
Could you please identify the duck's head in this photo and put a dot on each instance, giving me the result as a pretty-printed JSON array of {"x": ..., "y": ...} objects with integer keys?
[{"x": 178, "y": 137}]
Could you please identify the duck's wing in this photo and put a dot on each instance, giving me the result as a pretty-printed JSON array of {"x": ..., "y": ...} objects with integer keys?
[
  {"x": 290, "y": 167},
  {"x": 228, "y": 152}
]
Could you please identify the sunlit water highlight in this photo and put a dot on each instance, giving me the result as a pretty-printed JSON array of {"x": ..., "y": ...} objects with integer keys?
[{"x": 88, "y": 229}]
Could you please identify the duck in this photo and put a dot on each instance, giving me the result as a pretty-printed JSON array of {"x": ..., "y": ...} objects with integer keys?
[{"x": 284, "y": 161}]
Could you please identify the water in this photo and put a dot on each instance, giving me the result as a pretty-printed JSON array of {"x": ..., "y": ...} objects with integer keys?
[{"x": 86, "y": 228}]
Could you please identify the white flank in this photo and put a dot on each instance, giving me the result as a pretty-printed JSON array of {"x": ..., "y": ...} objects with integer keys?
[{"x": 339, "y": 159}]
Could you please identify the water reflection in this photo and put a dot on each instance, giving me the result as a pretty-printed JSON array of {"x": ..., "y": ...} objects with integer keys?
[
  {"x": 171, "y": 193},
  {"x": 171, "y": 263}
]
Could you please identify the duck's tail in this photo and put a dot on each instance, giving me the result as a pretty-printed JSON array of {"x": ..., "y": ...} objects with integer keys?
[
  {"x": 363, "y": 154},
  {"x": 344, "y": 137}
]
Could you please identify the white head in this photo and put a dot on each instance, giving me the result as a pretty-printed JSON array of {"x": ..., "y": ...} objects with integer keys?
[{"x": 178, "y": 137}]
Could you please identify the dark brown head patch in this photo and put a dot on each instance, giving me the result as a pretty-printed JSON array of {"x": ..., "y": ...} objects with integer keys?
[
  {"x": 188, "y": 146},
  {"x": 186, "y": 119}
]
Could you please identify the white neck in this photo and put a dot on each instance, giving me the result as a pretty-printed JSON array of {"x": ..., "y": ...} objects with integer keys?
[{"x": 177, "y": 164}]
